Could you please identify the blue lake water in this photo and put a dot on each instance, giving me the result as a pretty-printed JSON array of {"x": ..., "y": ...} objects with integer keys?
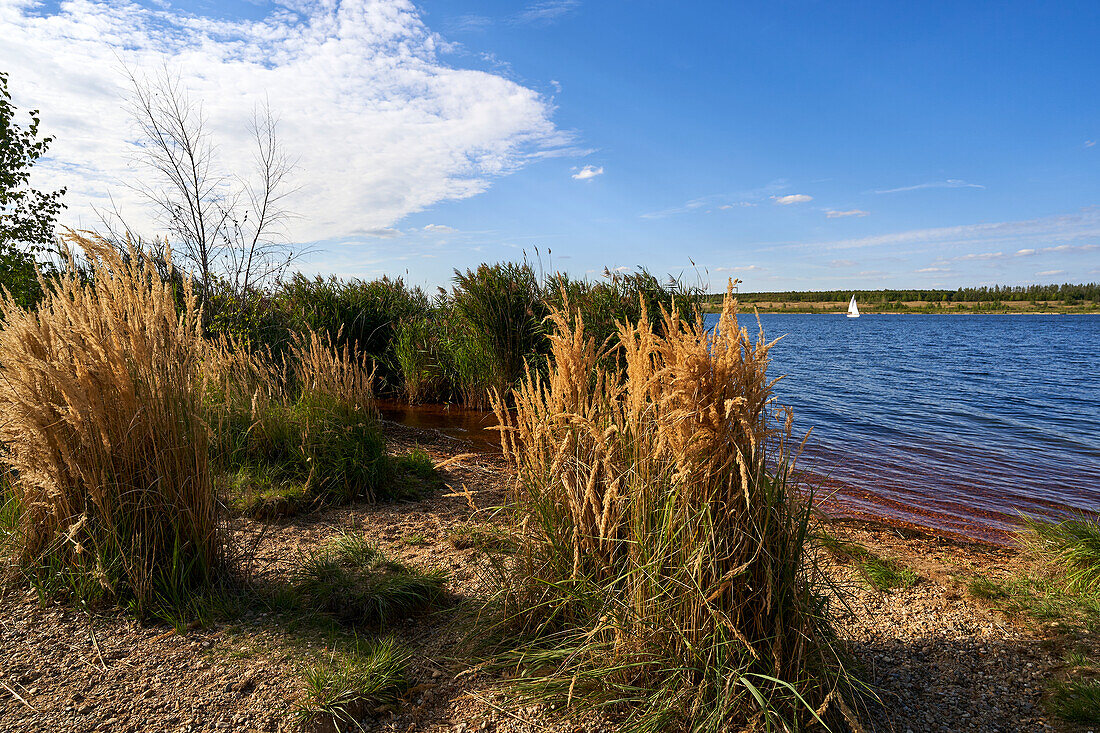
[{"x": 957, "y": 423}]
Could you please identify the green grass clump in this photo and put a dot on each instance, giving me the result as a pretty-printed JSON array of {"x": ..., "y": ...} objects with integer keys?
[
  {"x": 353, "y": 581},
  {"x": 1071, "y": 547},
  {"x": 1042, "y": 598},
  {"x": 484, "y": 537},
  {"x": 504, "y": 305},
  {"x": 413, "y": 475},
  {"x": 417, "y": 348},
  {"x": 1076, "y": 700},
  {"x": 347, "y": 688},
  {"x": 883, "y": 574}
]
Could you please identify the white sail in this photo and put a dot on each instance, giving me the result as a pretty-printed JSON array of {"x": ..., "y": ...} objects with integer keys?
[{"x": 853, "y": 309}]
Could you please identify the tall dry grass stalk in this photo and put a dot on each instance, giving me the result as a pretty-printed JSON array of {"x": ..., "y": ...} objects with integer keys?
[
  {"x": 666, "y": 562},
  {"x": 319, "y": 366},
  {"x": 101, "y": 420}
]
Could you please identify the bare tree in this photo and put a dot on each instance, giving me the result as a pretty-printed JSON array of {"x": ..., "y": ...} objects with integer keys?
[
  {"x": 228, "y": 229},
  {"x": 256, "y": 251}
]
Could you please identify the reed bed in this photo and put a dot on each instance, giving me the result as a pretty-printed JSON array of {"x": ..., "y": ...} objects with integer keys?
[
  {"x": 102, "y": 425},
  {"x": 665, "y": 572}
]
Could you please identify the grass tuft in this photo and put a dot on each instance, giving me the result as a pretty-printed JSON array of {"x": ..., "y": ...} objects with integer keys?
[
  {"x": 353, "y": 581},
  {"x": 665, "y": 570},
  {"x": 414, "y": 475},
  {"x": 103, "y": 428},
  {"x": 1077, "y": 700},
  {"x": 1071, "y": 546},
  {"x": 885, "y": 574},
  {"x": 882, "y": 574},
  {"x": 348, "y": 688},
  {"x": 484, "y": 537}
]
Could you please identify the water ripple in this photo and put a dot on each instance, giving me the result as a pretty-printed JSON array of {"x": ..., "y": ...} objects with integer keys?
[{"x": 955, "y": 423}]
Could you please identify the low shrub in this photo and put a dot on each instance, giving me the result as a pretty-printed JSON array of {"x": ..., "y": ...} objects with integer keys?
[
  {"x": 306, "y": 419},
  {"x": 358, "y": 313}
]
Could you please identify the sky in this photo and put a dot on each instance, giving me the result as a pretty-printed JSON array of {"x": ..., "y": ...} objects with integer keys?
[{"x": 794, "y": 145}]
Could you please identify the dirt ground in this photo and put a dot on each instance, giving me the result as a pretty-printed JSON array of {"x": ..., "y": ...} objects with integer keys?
[{"x": 938, "y": 659}]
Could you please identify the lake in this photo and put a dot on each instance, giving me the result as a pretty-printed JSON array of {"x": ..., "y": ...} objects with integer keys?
[
  {"x": 952, "y": 423},
  {"x": 956, "y": 423}
]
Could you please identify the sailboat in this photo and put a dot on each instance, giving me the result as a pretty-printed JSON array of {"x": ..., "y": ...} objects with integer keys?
[{"x": 853, "y": 309}]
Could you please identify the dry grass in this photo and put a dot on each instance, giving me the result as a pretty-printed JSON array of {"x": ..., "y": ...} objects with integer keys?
[
  {"x": 299, "y": 430},
  {"x": 665, "y": 562},
  {"x": 102, "y": 423}
]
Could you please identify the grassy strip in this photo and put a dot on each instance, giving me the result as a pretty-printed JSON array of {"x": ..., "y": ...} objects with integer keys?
[{"x": 1064, "y": 590}]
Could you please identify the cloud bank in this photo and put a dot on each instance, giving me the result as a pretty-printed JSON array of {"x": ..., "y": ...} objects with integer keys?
[{"x": 379, "y": 125}]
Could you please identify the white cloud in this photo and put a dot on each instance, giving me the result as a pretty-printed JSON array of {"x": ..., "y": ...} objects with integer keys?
[
  {"x": 833, "y": 214},
  {"x": 1048, "y": 273},
  {"x": 934, "y": 269},
  {"x": 439, "y": 228},
  {"x": 379, "y": 233},
  {"x": 588, "y": 172},
  {"x": 949, "y": 183},
  {"x": 981, "y": 256},
  {"x": 738, "y": 205},
  {"x": 794, "y": 198},
  {"x": 380, "y": 127},
  {"x": 737, "y": 269},
  {"x": 1085, "y": 223},
  {"x": 546, "y": 11},
  {"x": 1089, "y": 143}
]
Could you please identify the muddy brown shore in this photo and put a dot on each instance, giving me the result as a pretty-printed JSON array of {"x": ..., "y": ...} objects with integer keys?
[{"x": 937, "y": 658}]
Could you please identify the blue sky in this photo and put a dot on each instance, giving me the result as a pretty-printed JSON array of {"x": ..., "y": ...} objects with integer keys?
[{"x": 796, "y": 145}]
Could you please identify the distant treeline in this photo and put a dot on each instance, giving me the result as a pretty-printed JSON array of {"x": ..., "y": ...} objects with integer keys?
[{"x": 998, "y": 293}]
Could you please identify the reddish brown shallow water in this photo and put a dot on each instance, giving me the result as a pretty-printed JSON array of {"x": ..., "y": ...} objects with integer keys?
[{"x": 952, "y": 513}]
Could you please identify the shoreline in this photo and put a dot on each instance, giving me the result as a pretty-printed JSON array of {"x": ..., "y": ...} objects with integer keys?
[
  {"x": 794, "y": 312},
  {"x": 937, "y": 658}
]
